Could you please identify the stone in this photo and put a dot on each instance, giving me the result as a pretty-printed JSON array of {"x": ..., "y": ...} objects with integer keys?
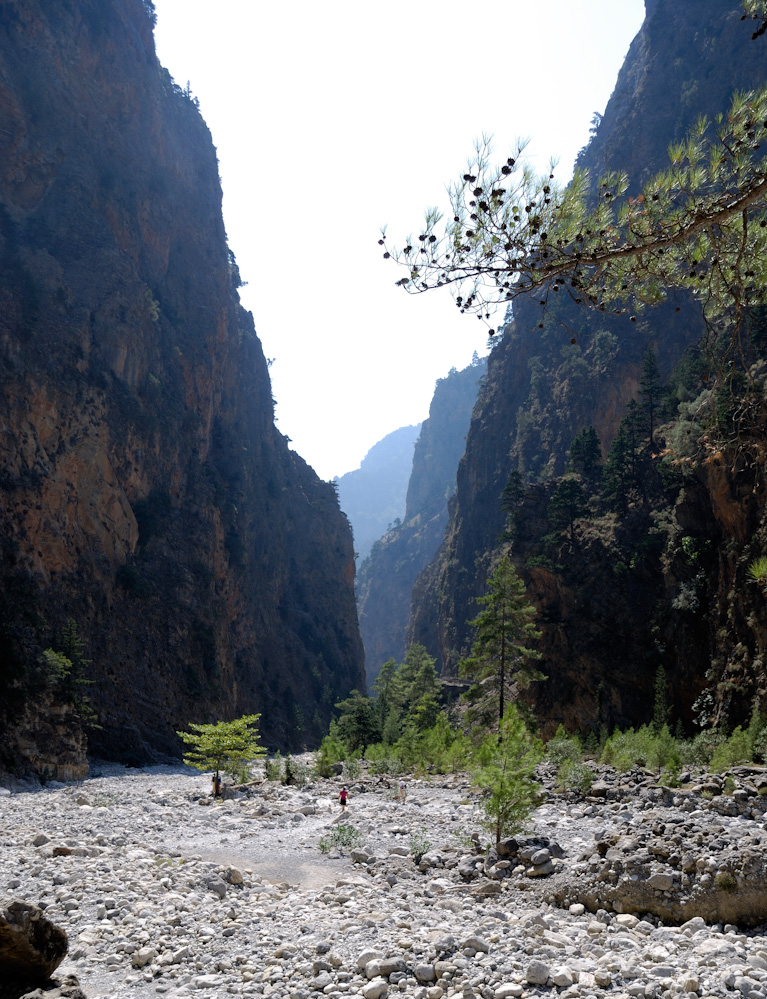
[
  {"x": 65, "y": 988},
  {"x": 561, "y": 977},
  {"x": 31, "y": 946},
  {"x": 375, "y": 988},
  {"x": 537, "y": 972},
  {"x": 424, "y": 972},
  {"x": 477, "y": 943},
  {"x": 661, "y": 881},
  {"x": 366, "y": 956}
]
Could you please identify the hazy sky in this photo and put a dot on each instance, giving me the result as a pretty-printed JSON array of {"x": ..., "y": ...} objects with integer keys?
[{"x": 332, "y": 119}]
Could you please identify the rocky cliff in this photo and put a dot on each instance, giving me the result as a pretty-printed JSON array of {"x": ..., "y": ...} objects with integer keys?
[
  {"x": 145, "y": 494},
  {"x": 607, "y": 609},
  {"x": 386, "y": 578}
]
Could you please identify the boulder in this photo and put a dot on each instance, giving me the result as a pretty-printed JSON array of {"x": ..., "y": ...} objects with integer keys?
[
  {"x": 31, "y": 946},
  {"x": 65, "y": 988}
]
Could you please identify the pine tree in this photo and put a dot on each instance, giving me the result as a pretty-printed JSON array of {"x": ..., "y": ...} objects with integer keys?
[
  {"x": 504, "y": 769},
  {"x": 700, "y": 225},
  {"x": 618, "y": 474},
  {"x": 223, "y": 746},
  {"x": 585, "y": 455},
  {"x": 650, "y": 389},
  {"x": 501, "y": 657},
  {"x": 567, "y": 505}
]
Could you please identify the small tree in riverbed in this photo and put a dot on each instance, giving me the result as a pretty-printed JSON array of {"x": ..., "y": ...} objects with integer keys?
[
  {"x": 504, "y": 768},
  {"x": 224, "y": 746}
]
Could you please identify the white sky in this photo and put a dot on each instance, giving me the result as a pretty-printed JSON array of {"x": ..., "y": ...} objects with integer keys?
[{"x": 333, "y": 118}]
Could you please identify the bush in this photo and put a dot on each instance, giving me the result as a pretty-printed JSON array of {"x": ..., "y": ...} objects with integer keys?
[
  {"x": 573, "y": 775},
  {"x": 341, "y": 837},
  {"x": 737, "y": 749},
  {"x": 698, "y": 751},
  {"x": 273, "y": 767},
  {"x": 352, "y": 769},
  {"x": 419, "y": 845},
  {"x": 296, "y": 772},
  {"x": 644, "y": 747},
  {"x": 562, "y": 748}
]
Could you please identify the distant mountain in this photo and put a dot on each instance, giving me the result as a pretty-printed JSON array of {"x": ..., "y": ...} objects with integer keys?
[
  {"x": 386, "y": 577},
  {"x": 373, "y": 495}
]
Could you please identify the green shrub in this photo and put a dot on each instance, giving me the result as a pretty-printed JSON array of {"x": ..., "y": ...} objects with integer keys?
[
  {"x": 737, "y": 749},
  {"x": 296, "y": 772},
  {"x": 419, "y": 845},
  {"x": 725, "y": 881},
  {"x": 573, "y": 775},
  {"x": 563, "y": 747},
  {"x": 504, "y": 769},
  {"x": 331, "y": 751},
  {"x": 273, "y": 767},
  {"x": 644, "y": 747},
  {"x": 386, "y": 766},
  {"x": 697, "y": 752},
  {"x": 352, "y": 769},
  {"x": 341, "y": 837}
]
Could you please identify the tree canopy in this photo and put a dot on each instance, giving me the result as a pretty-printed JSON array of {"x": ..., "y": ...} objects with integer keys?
[
  {"x": 501, "y": 656},
  {"x": 700, "y": 225},
  {"x": 223, "y": 746}
]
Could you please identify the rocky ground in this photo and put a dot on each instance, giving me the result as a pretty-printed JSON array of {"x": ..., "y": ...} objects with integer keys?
[{"x": 164, "y": 892}]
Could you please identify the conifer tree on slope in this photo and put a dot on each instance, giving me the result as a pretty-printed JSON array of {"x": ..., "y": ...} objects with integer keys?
[{"x": 501, "y": 656}]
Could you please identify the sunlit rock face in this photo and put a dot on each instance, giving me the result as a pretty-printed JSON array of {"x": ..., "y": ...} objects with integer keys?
[{"x": 144, "y": 490}]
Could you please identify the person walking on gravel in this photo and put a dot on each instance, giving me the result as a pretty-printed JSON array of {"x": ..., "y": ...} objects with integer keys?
[{"x": 343, "y": 797}]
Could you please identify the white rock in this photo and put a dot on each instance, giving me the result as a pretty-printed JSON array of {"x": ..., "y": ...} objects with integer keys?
[
  {"x": 375, "y": 988},
  {"x": 537, "y": 972},
  {"x": 561, "y": 977}
]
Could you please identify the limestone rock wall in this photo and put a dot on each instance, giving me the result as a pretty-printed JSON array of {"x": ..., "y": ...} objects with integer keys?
[{"x": 144, "y": 490}]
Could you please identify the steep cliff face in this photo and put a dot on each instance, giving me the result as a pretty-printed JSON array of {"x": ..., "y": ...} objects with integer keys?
[
  {"x": 386, "y": 578},
  {"x": 144, "y": 490},
  {"x": 604, "y": 637}
]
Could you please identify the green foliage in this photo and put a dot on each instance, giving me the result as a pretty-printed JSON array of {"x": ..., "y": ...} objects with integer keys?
[
  {"x": 358, "y": 723},
  {"x": 501, "y": 656},
  {"x": 661, "y": 710},
  {"x": 504, "y": 765},
  {"x": 585, "y": 455},
  {"x": 574, "y": 775},
  {"x": 352, "y": 769},
  {"x": 562, "y": 747},
  {"x": 273, "y": 768},
  {"x": 699, "y": 750},
  {"x": 57, "y": 667},
  {"x": 567, "y": 505},
  {"x": 757, "y": 571},
  {"x": 725, "y": 881},
  {"x": 651, "y": 390},
  {"x": 737, "y": 749},
  {"x": 383, "y": 763},
  {"x": 295, "y": 772},
  {"x": 223, "y": 746},
  {"x": 645, "y": 747},
  {"x": 699, "y": 226},
  {"x": 64, "y": 667},
  {"x": 341, "y": 837},
  {"x": 419, "y": 845}
]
